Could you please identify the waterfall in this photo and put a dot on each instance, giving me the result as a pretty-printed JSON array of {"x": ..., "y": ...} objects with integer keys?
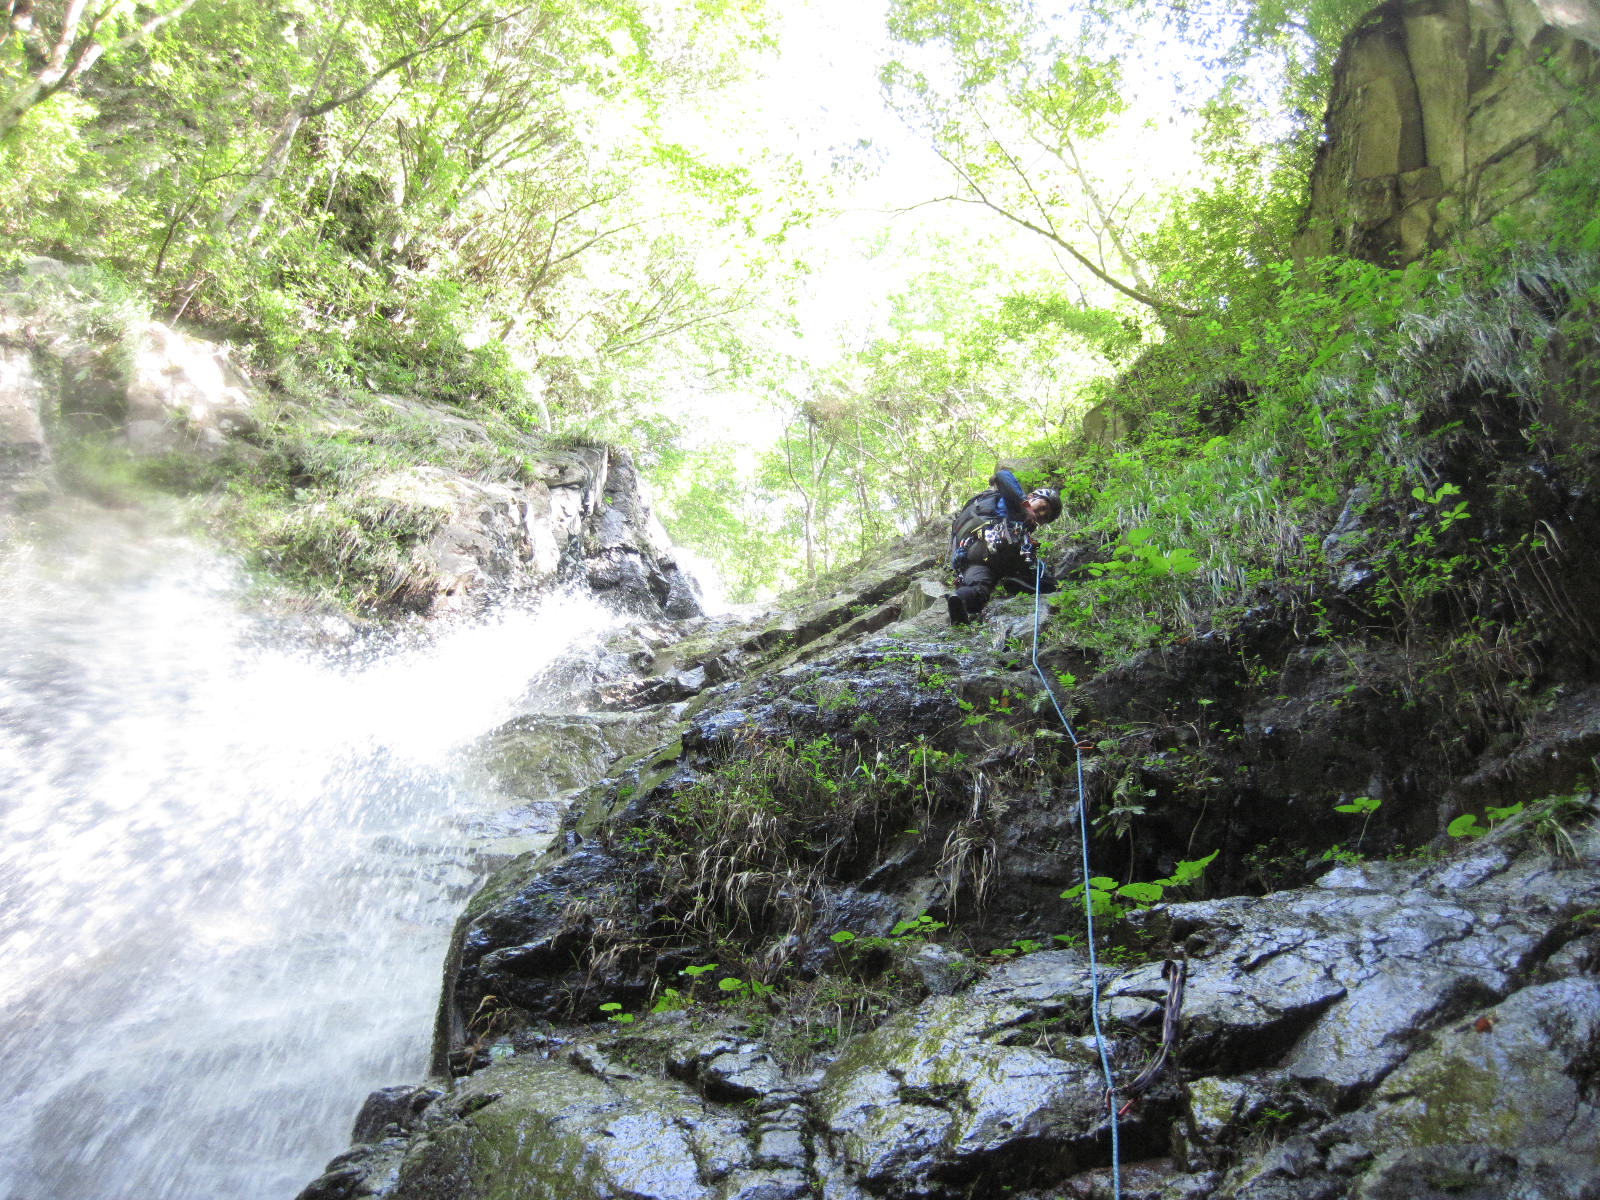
[{"x": 228, "y": 868}]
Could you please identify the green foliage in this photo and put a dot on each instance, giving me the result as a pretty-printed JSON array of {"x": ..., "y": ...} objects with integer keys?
[
  {"x": 740, "y": 853},
  {"x": 614, "y": 1013},
  {"x": 405, "y": 195},
  {"x": 1135, "y": 557},
  {"x": 703, "y": 508},
  {"x": 1105, "y": 893},
  {"x": 920, "y": 926},
  {"x": 1351, "y": 389},
  {"x": 1017, "y": 948},
  {"x": 669, "y": 1000},
  {"x": 1467, "y": 825},
  {"x": 735, "y": 989},
  {"x": 1363, "y": 806},
  {"x": 1366, "y": 805},
  {"x": 1032, "y": 109},
  {"x": 1338, "y": 854}
]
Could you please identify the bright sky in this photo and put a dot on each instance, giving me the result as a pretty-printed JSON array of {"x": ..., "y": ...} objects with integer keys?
[
  {"x": 823, "y": 98},
  {"x": 819, "y": 101}
]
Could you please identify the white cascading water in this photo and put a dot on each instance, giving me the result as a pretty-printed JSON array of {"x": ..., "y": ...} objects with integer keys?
[{"x": 228, "y": 870}]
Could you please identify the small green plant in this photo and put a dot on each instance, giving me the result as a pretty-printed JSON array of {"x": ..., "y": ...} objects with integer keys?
[
  {"x": 1338, "y": 854},
  {"x": 1363, "y": 805},
  {"x": 833, "y": 699},
  {"x": 1467, "y": 825},
  {"x": 1428, "y": 536},
  {"x": 1128, "y": 798},
  {"x": 1126, "y": 956},
  {"x": 1104, "y": 891},
  {"x": 913, "y": 927},
  {"x": 920, "y": 926},
  {"x": 1018, "y": 947},
  {"x": 735, "y": 989},
  {"x": 614, "y": 1013},
  {"x": 973, "y": 717},
  {"x": 670, "y": 1000},
  {"x": 1137, "y": 557},
  {"x": 1552, "y": 818}
]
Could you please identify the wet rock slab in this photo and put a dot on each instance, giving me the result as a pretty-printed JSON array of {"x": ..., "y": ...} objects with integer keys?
[{"x": 626, "y": 1116}]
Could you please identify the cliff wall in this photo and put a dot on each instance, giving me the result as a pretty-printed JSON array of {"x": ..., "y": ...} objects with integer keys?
[{"x": 1444, "y": 115}]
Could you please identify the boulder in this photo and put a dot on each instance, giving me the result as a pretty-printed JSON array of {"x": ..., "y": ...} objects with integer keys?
[
  {"x": 663, "y": 1114},
  {"x": 183, "y": 393}
]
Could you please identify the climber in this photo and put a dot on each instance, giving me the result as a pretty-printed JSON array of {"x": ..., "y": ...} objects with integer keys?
[{"x": 991, "y": 542}]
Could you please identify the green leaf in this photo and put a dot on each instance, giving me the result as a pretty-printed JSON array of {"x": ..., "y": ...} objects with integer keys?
[
  {"x": 1102, "y": 905},
  {"x": 1141, "y": 893},
  {"x": 1190, "y": 870}
]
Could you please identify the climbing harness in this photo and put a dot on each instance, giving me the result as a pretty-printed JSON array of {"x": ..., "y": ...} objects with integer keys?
[
  {"x": 1088, "y": 907},
  {"x": 996, "y": 532},
  {"x": 996, "y": 536}
]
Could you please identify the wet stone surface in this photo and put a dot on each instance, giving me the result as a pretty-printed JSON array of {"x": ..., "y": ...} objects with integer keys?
[{"x": 1339, "y": 1041}]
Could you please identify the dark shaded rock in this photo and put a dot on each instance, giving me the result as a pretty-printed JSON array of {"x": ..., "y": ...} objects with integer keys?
[
  {"x": 392, "y": 1111},
  {"x": 1471, "y": 1172},
  {"x": 524, "y": 949}
]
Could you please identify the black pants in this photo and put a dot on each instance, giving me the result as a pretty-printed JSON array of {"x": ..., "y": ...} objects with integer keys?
[{"x": 979, "y": 579}]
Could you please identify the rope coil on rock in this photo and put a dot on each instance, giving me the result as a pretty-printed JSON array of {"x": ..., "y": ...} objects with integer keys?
[
  {"x": 1088, "y": 906},
  {"x": 1176, "y": 973}
]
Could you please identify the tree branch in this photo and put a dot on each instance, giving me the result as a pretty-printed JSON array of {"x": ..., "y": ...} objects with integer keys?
[
  {"x": 1078, "y": 256},
  {"x": 405, "y": 60}
]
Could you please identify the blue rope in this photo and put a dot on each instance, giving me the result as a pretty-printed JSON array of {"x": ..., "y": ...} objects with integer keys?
[{"x": 1088, "y": 905}]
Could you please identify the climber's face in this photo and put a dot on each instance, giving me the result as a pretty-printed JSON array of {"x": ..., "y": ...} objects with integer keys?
[{"x": 1040, "y": 509}]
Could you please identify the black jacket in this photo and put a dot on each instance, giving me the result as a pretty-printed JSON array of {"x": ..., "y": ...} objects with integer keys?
[{"x": 993, "y": 527}]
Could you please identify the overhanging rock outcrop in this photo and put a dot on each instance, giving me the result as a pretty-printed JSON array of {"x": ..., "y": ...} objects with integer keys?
[{"x": 1443, "y": 116}]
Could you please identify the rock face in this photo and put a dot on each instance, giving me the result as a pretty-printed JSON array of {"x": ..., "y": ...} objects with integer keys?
[
  {"x": 869, "y": 814},
  {"x": 575, "y": 514},
  {"x": 1444, "y": 113},
  {"x": 1392, "y": 1032}
]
